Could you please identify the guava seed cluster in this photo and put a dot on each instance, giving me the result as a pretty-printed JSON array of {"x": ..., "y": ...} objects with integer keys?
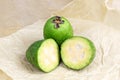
[{"x": 76, "y": 52}]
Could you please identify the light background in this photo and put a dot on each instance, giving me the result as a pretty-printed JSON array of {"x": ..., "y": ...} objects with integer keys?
[{"x": 15, "y": 14}]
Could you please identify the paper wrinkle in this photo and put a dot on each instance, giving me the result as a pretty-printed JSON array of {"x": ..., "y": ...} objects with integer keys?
[
  {"x": 112, "y": 4},
  {"x": 106, "y": 37},
  {"x": 88, "y": 10}
]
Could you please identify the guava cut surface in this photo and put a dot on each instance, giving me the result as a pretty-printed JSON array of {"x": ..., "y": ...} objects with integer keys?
[
  {"x": 77, "y": 52},
  {"x": 44, "y": 54}
]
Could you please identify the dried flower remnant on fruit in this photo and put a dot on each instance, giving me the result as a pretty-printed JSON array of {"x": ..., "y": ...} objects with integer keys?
[{"x": 57, "y": 21}]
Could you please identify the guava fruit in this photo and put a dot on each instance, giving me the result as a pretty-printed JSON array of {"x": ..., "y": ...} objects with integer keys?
[
  {"x": 77, "y": 52},
  {"x": 44, "y": 54},
  {"x": 58, "y": 28}
]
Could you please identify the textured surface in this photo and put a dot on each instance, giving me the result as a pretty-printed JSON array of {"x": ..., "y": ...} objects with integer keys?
[{"x": 103, "y": 31}]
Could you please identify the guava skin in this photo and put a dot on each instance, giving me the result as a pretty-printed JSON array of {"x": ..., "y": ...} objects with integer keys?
[
  {"x": 59, "y": 32},
  {"x": 32, "y": 55}
]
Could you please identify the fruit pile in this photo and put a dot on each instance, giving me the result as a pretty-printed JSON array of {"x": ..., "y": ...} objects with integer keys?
[{"x": 76, "y": 52}]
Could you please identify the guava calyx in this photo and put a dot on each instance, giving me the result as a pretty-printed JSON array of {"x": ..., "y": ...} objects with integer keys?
[{"x": 58, "y": 21}]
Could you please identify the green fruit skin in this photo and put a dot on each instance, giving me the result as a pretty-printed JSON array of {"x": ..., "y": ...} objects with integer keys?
[
  {"x": 60, "y": 34},
  {"x": 32, "y": 53},
  {"x": 93, "y": 50}
]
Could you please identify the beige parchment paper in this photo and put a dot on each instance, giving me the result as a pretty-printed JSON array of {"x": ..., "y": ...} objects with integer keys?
[
  {"x": 98, "y": 20},
  {"x": 16, "y": 14}
]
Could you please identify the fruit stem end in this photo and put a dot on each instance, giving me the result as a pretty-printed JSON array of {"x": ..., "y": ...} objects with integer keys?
[{"x": 57, "y": 21}]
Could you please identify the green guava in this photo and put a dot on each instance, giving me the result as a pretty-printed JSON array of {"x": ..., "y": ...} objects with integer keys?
[
  {"x": 44, "y": 54},
  {"x": 58, "y": 28},
  {"x": 77, "y": 52}
]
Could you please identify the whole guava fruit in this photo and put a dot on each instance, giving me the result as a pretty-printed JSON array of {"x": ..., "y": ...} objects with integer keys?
[{"x": 58, "y": 28}]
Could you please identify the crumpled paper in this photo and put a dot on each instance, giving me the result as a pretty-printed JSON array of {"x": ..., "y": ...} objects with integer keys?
[{"x": 97, "y": 20}]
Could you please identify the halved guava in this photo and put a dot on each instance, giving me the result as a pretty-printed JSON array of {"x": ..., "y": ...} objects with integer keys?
[
  {"x": 58, "y": 28},
  {"x": 77, "y": 52},
  {"x": 44, "y": 54}
]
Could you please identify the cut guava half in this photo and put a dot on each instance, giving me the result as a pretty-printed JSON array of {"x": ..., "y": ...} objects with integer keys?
[
  {"x": 77, "y": 52},
  {"x": 44, "y": 54}
]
